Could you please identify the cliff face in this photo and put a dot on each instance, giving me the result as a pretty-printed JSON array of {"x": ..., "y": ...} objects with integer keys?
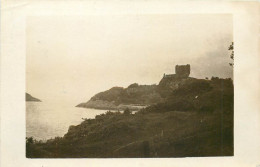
[
  {"x": 133, "y": 97},
  {"x": 29, "y": 97}
]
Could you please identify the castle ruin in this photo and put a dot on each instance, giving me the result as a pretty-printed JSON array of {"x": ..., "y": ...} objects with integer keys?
[{"x": 181, "y": 71}]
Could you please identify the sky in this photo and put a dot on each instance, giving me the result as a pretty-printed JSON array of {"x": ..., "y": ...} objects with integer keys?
[{"x": 71, "y": 58}]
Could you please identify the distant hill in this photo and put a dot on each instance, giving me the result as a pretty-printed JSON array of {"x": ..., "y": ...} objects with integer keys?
[
  {"x": 29, "y": 97},
  {"x": 133, "y": 97}
]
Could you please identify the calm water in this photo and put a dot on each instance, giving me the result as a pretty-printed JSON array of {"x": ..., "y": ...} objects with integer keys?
[{"x": 45, "y": 120}]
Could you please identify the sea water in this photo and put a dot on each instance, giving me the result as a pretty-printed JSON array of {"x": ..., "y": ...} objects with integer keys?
[{"x": 46, "y": 120}]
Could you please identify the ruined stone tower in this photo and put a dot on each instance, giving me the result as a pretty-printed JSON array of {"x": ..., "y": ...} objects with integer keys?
[
  {"x": 182, "y": 71},
  {"x": 170, "y": 82}
]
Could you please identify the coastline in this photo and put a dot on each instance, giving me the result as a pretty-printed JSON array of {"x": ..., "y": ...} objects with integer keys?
[{"x": 99, "y": 105}]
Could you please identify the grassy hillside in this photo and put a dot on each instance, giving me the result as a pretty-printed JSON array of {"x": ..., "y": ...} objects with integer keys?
[
  {"x": 196, "y": 119},
  {"x": 198, "y": 95}
]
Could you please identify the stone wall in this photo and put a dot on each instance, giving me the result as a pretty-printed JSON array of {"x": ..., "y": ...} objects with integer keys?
[{"x": 182, "y": 70}]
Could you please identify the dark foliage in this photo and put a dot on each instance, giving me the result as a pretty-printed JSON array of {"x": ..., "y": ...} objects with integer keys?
[
  {"x": 127, "y": 111},
  {"x": 198, "y": 95},
  {"x": 134, "y": 94},
  {"x": 231, "y": 47}
]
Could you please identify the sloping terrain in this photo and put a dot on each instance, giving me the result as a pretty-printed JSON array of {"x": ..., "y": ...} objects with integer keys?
[
  {"x": 198, "y": 95},
  {"x": 195, "y": 119},
  {"x": 121, "y": 98}
]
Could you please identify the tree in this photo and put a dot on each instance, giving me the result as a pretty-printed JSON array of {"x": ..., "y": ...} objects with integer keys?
[
  {"x": 231, "y": 47},
  {"x": 29, "y": 140}
]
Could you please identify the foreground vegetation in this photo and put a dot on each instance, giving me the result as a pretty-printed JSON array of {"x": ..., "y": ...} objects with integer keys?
[{"x": 194, "y": 120}]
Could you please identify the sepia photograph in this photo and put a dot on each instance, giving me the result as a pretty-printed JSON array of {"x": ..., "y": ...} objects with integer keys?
[
  {"x": 129, "y": 86},
  {"x": 130, "y": 83}
]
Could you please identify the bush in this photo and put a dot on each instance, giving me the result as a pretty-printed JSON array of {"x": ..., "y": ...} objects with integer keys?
[{"x": 127, "y": 111}]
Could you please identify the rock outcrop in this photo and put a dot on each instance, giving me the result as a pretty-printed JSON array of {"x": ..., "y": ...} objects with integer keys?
[{"x": 134, "y": 97}]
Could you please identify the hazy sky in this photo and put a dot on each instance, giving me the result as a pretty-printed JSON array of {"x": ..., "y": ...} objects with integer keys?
[{"x": 71, "y": 58}]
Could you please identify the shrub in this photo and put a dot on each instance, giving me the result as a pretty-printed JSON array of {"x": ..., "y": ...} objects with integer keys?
[{"x": 127, "y": 111}]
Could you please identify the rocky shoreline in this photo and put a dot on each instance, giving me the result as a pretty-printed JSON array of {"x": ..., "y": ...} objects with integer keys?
[
  {"x": 106, "y": 105},
  {"x": 134, "y": 97}
]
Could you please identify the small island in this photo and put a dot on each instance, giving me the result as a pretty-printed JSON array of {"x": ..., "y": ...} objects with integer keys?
[{"x": 29, "y": 97}]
